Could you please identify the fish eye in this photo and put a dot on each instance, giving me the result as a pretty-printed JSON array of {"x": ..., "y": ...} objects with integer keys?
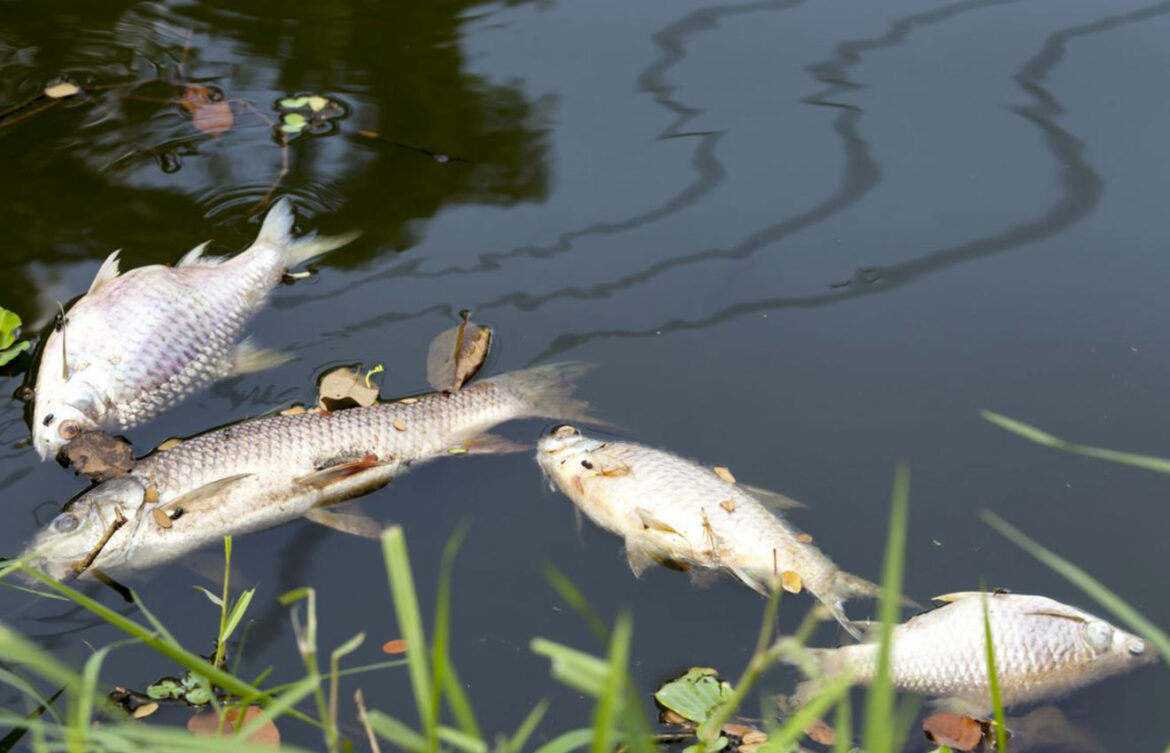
[
  {"x": 1099, "y": 635},
  {"x": 564, "y": 431},
  {"x": 65, "y": 523},
  {"x": 68, "y": 429},
  {"x": 1136, "y": 646}
]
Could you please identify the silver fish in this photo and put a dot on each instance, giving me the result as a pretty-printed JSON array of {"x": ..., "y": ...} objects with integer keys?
[
  {"x": 1043, "y": 650},
  {"x": 140, "y": 342},
  {"x": 263, "y": 472},
  {"x": 676, "y": 512}
]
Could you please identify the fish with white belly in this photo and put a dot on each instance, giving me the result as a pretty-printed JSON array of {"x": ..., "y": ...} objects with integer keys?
[
  {"x": 138, "y": 343},
  {"x": 1043, "y": 650},
  {"x": 260, "y": 473},
  {"x": 675, "y": 512}
]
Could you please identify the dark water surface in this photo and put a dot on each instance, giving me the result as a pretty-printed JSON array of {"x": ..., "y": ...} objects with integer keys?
[{"x": 805, "y": 239}]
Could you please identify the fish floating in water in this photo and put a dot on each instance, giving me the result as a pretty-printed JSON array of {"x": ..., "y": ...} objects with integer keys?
[
  {"x": 1043, "y": 650},
  {"x": 678, "y": 513},
  {"x": 263, "y": 472},
  {"x": 138, "y": 343}
]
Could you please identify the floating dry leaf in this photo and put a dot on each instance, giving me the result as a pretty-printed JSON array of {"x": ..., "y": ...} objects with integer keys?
[
  {"x": 207, "y": 723},
  {"x": 954, "y": 730},
  {"x": 820, "y": 732},
  {"x": 755, "y": 737},
  {"x": 61, "y": 88},
  {"x": 724, "y": 474},
  {"x": 728, "y": 504},
  {"x": 671, "y": 717},
  {"x": 803, "y": 538},
  {"x": 345, "y": 387},
  {"x": 740, "y": 730},
  {"x": 98, "y": 455},
  {"x": 294, "y": 410},
  {"x": 168, "y": 444},
  {"x": 145, "y": 710},
  {"x": 395, "y": 646},
  {"x": 790, "y": 581},
  {"x": 160, "y": 517},
  {"x": 399, "y": 424},
  {"x": 210, "y": 113},
  {"x": 457, "y": 354}
]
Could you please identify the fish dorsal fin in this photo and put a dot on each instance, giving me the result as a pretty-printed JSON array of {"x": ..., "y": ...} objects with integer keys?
[
  {"x": 208, "y": 491},
  {"x": 492, "y": 444},
  {"x": 106, "y": 273},
  {"x": 348, "y": 521},
  {"x": 770, "y": 499},
  {"x": 651, "y": 523},
  {"x": 323, "y": 477},
  {"x": 195, "y": 256},
  {"x": 1058, "y": 614},
  {"x": 957, "y": 596}
]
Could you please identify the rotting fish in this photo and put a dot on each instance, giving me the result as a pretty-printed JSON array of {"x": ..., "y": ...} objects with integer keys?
[
  {"x": 1043, "y": 650},
  {"x": 678, "y": 513},
  {"x": 266, "y": 471},
  {"x": 138, "y": 343}
]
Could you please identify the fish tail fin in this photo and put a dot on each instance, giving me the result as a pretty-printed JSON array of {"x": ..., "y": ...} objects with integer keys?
[
  {"x": 276, "y": 232},
  {"x": 547, "y": 391},
  {"x": 816, "y": 664}
]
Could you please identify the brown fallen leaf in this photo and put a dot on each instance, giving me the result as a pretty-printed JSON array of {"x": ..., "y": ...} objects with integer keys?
[
  {"x": 294, "y": 410},
  {"x": 670, "y": 717},
  {"x": 150, "y": 496},
  {"x": 755, "y": 737},
  {"x": 739, "y": 730},
  {"x": 210, "y": 113},
  {"x": 98, "y": 455},
  {"x": 395, "y": 646},
  {"x": 803, "y": 538},
  {"x": 345, "y": 387},
  {"x": 457, "y": 354},
  {"x": 820, "y": 732},
  {"x": 790, "y": 581},
  {"x": 724, "y": 474},
  {"x": 160, "y": 517},
  {"x": 207, "y": 723},
  {"x": 956, "y": 731},
  {"x": 728, "y": 504}
]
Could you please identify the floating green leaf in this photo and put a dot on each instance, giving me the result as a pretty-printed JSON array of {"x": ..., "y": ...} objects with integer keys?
[
  {"x": 293, "y": 122},
  {"x": 9, "y": 330},
  {"x": 694, "y": 695},
  {"x": 294, "y": 103}
]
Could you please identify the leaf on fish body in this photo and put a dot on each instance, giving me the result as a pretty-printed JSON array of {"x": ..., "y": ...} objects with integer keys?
[
  {"x": 323, "y": 477},
  {"x": 345, "y": 387},
  {"x": 160, "y": 517},
  {"x": 724, "y": 474},
  {"x": 98, "y": 455},
  {"x": 399, "y": 424},
  {"x": 651, "y": 523},
  {"x": 168, "y": 444},
  {"x": 208, "y": 723},
  {"x": 61, "y": 88},
  {"x": 394, "y": 646},
  {"x": 457, "y": 354},
  {"x": 956, "y": 731},
  {"x": 804, "y": 538},
  {"x": 150, "y": 496},
  {"x": 728, "y": 504},
  {"x": 695, "y": 695},
  {"x": 791, "y": 582}
]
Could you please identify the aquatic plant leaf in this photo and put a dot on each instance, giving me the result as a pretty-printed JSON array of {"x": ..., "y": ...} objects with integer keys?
[
  {"x": 166, "y": 688},
  {"x": 207, "y": 723},
  {"x": 292, "y": 122},
  {"x": 955, "y": 731},
  {"x": 345, "y": 387},
  {"x": 9, "y": 331},
  {"x": 316, "y": 102},
  {"x": 98, "y": 455},
  {"x": 210, "y": 114},
  {"x": 695, "y": 695},
  {"x": 293, "y": 103},
  {"x": 10, "y": 353},
  {"x": 457, "y": 354}
]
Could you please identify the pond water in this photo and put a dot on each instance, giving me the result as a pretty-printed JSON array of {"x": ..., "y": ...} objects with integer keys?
[{"x": 805, "y": 240}]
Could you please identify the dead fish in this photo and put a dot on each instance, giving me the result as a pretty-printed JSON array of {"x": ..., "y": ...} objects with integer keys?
[
  {"x": 678, "y": 513},
  {"x": 1043, "y": 650},
  {"x": 140, "y": 342},
  {"x": 263, "y": 472}
]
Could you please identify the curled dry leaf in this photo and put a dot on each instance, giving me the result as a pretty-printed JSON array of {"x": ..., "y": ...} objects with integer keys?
[
  {"x": 207, "y": 723},
  {"x": 395, "y": 646},
  {"x": 210, "y": 113},
  {"x": 98, "y": 455},
  {"x": 168, "y": 444},
  {"x": 457, "y": 354},
  {"x": 724, "y": 474},
  {"x": 790, "y": 581},
  {"x": 956, "y": 731},
  {"x": 345, "y": 387},
  {"x": 820, "y": 732}
]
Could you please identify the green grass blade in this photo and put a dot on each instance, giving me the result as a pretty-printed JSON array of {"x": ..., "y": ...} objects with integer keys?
[
  {"x": 10, "y": 740},
  {"x": 516, "y": 743},
  {"x": 237, "y": 614},
  {"x": 993, "y": 677},
  {"x": 844, "y": 726},
  {"x": 570, "y": 741},
  {"x": 781, "y": 740},
  {"x": 462, "y": 741},
  {"x": 155, "y": 623},
  {"x": 613, "y": 689},
  {"x": 1087, "y": 583},
  {"x": 281, "y": 705},
  {"x": 574, "y": 668},
  {"x": 18, "y": 650},
  {"x": 879, "y": 707},
  {"x": 30, "y": 691},
  {"x": 445, "y": 679},
  {"x": 410, "y": 626},
  {"x": 389, "y": 728},
  {"x": 1149, "y": 462},
  {"x": 576, "y": 600}
]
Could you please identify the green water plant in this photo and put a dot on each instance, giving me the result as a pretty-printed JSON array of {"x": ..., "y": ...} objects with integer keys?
[{"x": 9, "y": 333}]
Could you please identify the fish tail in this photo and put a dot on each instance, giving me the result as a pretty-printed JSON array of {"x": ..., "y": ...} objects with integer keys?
[
  {"x": 816, "y": 664},
  {"x": 547, "y": 391},
  {"x": 276, "y": 232}
]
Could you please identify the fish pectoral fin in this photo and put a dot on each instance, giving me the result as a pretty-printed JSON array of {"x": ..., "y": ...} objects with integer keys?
[
  {"x": 651, "y": 523},
  {"x": 323, "y": 477},
  {"x": 493, "y": 444},
  {"x": 250, "y": 357},
  {"x": 771, "y": 500},
  {"x": 107, "y": 272},
  {"x": 638, "y": 557},
  {"x": 191, "y": 499},
  {"x": 350, "y": 521},
  {"x": 1057, "y": 614},
  {"x": 607, "y": 466}
]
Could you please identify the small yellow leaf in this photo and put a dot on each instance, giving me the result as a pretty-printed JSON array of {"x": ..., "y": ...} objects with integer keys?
[
  {"x": 61, "y": 89},
  {"x": 458, "y": 450},
  {"x": 145, "y": 710},
  {"x": 724, "y": 474},
  {"x": 317, "y": 103},
  {"x": 803, "y": 538},
  {"x": 150, "y": 496},
  {"x": 399, "y": 424},
  {"x": 791, "y": 582},
  {"x": 376, "y": 370},
  {"x": 755, "y": 737},
  {"x": 408, "y": 400},
  {"x": 395, "y": 646},
  {"x": 294, "y": 410},
  {"x": 728, "y": 504},
  {"x": 169, "y": 444},
  {"x": 161, "y": 518}
]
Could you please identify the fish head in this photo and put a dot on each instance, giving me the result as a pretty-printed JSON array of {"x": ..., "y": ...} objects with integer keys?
[
  {"x": 61, "y": 411},
  {"x": 81, "y": 527},
  {"x": 560, "y": 452},
  {"x": 1114, "y": 650}
]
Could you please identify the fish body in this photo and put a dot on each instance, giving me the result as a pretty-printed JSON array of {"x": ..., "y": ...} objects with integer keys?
[
  {"x": 263, "y": 472},
  {"x": 138, "y": 343},
  {"x": 1043, "y": 650},
  {"x": 676, "y": 512}
]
